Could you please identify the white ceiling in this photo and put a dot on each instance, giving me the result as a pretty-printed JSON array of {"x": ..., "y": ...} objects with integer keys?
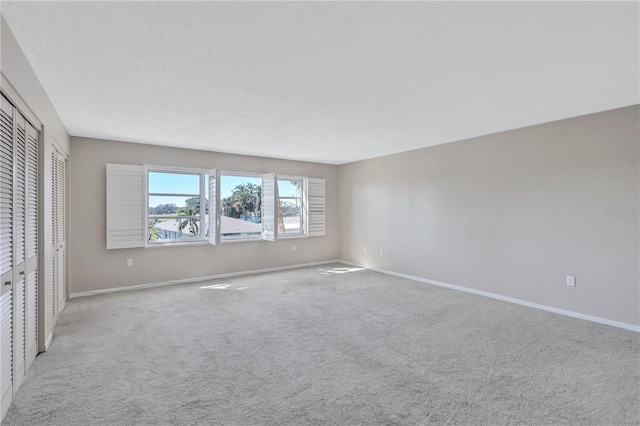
[{"x": 327, "y": 82}]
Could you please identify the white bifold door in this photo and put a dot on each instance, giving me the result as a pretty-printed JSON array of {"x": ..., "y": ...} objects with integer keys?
[
  {"x": 18, "y": 249},
  {"x": 58, "y": 217}
]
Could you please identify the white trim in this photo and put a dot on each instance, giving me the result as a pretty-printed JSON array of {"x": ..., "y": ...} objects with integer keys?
[
  {"x": 48, "y": 342},
  {"x": 198, "y": 279},
  {"x": 174, "y": 169},
  {"x": 177, "y": 243},
  {"x": 291, "y": 236},
  {"x": 303, "y": 204},
  {"x": 59, "y": 147},
  {"x": 240, "y": 174},
  {"x": 201, "y": 173},
  {"x": 14, "y": 97},
  {"x": 241, "y": 239},
  {"x": 572, "y": 314},
  {"x": 291, "y": 177}
]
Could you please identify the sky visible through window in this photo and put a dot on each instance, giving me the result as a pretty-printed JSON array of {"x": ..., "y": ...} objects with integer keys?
[{"x": 175, "y": 183}]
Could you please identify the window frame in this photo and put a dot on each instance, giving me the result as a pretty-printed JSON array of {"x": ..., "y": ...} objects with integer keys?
[
  {"x": 203, "y": 231},
  {"x": 240, "y": 239},
  {"x": 303, "y": 219}
]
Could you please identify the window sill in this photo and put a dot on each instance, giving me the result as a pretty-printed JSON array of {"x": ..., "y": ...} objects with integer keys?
[
  {"x": 177, "y": 244},
  {"x": 240, "y": 240},
  {"x": 222, "y": 242},
  {"x": 291, "y": 237}
]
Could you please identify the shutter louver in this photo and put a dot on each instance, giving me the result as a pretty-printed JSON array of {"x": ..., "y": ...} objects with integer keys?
[
  {"x": 125, "y": 206},
  {"x": 316, "y": 207},
  {"x": 269, "y": 207}
]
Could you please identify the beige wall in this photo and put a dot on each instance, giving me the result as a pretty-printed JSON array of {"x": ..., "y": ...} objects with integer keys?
[
  {"x": 511, "y": 213},
  {"x": 24, "y": 81},
  {"x": 93, "y": 267}
]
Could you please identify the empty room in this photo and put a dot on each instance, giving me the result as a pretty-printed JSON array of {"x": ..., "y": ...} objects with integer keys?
[{"x": 319, "y": 213}]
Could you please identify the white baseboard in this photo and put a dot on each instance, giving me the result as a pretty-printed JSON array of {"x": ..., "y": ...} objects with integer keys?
[
  {"x": 578, "y": 315},
  {"x": 199, "y": 279},
  {"x": 48, "y": 342}
]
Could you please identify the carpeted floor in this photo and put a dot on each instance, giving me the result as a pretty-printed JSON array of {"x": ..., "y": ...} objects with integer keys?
[{"x": 326, "y": 345}]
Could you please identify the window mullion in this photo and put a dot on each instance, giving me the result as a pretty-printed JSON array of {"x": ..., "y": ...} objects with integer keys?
[{"x": 203, "y": 207}]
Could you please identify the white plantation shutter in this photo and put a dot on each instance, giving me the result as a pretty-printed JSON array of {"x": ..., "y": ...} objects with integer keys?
[
  {"x": 270, "y": 207},
  {"x": 316, "y": 207},
  {"x": 214, "y": 207},
  {"x": 125, "y": 206}
]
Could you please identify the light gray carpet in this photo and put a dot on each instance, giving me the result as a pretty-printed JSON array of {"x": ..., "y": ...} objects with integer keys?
[{"x": 318, "y": 346}]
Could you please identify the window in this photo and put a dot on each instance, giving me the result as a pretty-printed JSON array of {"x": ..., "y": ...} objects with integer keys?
[
  {"x": 174, "y": 200},
  {"x": 290, "y": 212},
  {"x": 241, "y": 206},
  {"x": 159, "y": 205}
]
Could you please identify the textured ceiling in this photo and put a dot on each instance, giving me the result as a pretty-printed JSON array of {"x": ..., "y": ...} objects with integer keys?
[{"x": 327, "y": 82}]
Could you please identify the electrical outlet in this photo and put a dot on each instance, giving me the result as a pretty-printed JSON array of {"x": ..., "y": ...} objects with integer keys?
[
  {"x": 129, "y": 262},
  {"x": 381, "y": 251},
  {"x": 364, "y": 248},
  {"x": 293, "y": 247},
  {"x": 571, "y": 281}
]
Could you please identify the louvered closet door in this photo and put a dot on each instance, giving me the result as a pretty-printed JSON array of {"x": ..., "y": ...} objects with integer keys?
[
  {"x": 6, "y": 254},
  {"x": 31, "y": 246},
  {"x": 19, "y": 249},
  {"x": 19, "y": 253},
  {"x": 58, "y": 182}
]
